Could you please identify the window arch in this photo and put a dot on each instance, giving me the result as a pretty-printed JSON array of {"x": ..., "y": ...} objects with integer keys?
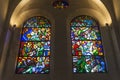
[
  {"x": 34, "y": 50},
  {"x": 87, "y": 48}
]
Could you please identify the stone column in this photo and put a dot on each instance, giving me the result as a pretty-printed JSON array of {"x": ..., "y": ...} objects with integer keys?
[
  {"x": 112, "y": 50},
  {"x": 5, "y": 53},
  {"x": 61, "y": 56},
  {"x": 116, "y": 46}
]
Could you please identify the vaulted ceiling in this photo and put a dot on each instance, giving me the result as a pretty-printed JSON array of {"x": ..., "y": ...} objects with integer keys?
[{"x": 28, "y": 8}]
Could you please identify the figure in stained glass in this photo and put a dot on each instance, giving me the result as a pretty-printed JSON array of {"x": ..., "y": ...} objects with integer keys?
[
  {"x": 34, "y": 52},
  {"x": 87, "y": 49}
]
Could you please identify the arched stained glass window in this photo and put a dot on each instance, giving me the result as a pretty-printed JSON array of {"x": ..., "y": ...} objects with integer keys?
[
  {"x": 87, "y": 48},
  {"x": 34, "y": 51}
]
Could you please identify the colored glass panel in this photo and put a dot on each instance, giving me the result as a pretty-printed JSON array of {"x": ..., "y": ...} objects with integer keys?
[
  {"x": 34, "y": 51},
  {"x": 60, "y": 4},
  {"x": 37, "y": 22},
  {"x": 43, "y": 22},
  {"x": 32, "y": 65},
  {"x": 88, "y": 64},
  {"x": 85, "y": 33},
  {"x": 35, "y": 34},
  {"x": 83, "y": 21},
  {"x": 32, "y": 22},
  {"x": 87, "y": 49}
]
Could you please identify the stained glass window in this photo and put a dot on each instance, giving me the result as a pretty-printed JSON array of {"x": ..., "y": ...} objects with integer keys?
[
  {"x": 60, "y": 4},
  {"x": 87, "y": 48},
  {"x": 34, "y": 51}
]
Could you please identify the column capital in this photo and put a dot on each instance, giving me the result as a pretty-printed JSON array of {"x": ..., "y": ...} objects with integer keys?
[
  {"x": 108, "y": 26},
  {"x": 12, "y": 28}
]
